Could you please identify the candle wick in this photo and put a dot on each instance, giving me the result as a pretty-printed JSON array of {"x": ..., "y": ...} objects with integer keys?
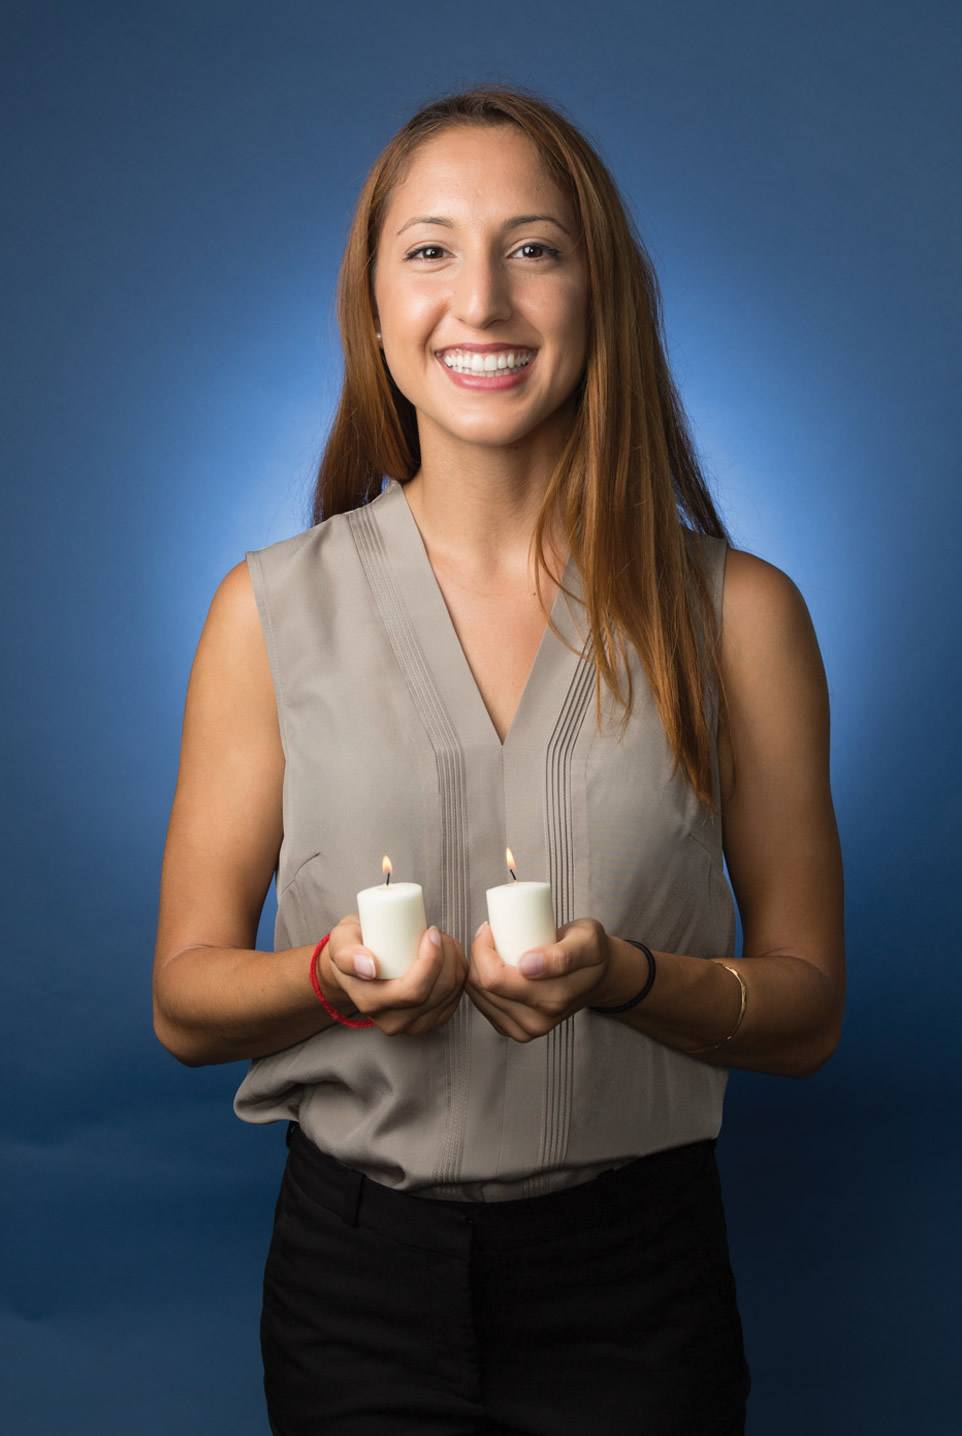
[
  {"x": 387, "y": 880},
  {"x": 514, "y": 875}
]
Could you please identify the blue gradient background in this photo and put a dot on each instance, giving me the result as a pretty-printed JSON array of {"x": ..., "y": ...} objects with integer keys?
[{"x": 181, "y": 177}]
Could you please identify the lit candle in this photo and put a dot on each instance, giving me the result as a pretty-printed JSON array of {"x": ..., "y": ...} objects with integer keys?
[
  {"x": 392, "y": 922},
  {"x": 521, "y": 916}
]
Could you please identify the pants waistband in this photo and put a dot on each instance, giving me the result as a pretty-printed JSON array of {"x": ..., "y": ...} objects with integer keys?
[{"x": 439, "y": 1224}]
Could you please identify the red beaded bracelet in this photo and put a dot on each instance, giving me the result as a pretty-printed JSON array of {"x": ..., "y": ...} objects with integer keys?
[{"x": 345, "y": 1021}]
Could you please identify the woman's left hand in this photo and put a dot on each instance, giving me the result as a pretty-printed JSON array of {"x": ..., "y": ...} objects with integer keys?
[{"x": 548, "y": 985}]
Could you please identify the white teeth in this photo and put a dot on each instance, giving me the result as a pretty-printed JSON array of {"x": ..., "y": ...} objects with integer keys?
[{"x": 469, "y": 361}]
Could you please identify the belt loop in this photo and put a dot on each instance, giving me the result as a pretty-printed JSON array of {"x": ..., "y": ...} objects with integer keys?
[
  {"x": 289, "y": 1134},
  {"x": 353, "y": 1181}
]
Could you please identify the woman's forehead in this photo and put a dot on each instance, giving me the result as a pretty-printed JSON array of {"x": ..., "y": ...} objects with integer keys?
[{"x": 471, "y": 167}]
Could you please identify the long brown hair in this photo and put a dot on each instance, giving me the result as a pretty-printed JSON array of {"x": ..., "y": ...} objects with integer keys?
[{"x": 628, "y": 484}]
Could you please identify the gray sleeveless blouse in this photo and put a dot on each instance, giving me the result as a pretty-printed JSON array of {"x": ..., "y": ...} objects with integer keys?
[{"x": 389, "y": 749}]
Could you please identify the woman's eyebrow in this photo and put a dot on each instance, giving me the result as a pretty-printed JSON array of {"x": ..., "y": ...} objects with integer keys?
[
  {"x": 515, "y": 223},
  {"x": 426, "y": 219},
  {"x": 535, "y": 219}
]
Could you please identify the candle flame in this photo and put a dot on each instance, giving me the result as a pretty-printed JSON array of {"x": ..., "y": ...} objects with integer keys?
[
  {"x": 509, "y": 855},
  {"x": 387, "y": 869}
]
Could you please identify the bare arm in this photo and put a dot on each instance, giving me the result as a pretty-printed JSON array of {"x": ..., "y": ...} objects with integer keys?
[
  {"x": 215, "y": 998},
  {"x": 781, "y": 845}
]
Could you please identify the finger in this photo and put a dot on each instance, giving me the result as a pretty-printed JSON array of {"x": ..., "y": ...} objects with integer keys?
[
  {"x": 449, "y": 972},
  {"x": 437, "y": 1017},
  {"x": 499, "y": 981},
  {"x": 534, "y": 964},
  {"x": 334, "y": 971},
  {"x": 533, "y": 1004},
  {"x": 453, "y": 973},
  {"x": 412, "y": 986},
  {"x": 399, "y": 1005},
  {"x": 483, "y": 950},
  {"x": 496, "y": 987},
  {"x": 345, "y": 945},
  {"x": 416, "y": 1021},
  {"x": 438, "y": 972},
  {"x": 555, "y": 960},
  {"x": 433, "y": 981},
  {"x": 581, "y": 947},
  {"x": 487, "y": 969},
  {"x": 352, "y": 968},
  {"x": 364, "y": 964},
  {"x": 504, "y": 1017},
  {"x": 586, "y": 941}
]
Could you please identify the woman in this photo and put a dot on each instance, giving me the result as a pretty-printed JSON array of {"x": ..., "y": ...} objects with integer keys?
[{"x": 500, "y": 1211}]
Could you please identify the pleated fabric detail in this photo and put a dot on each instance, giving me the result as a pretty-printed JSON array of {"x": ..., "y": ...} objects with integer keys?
[
  {"x": 559, "y": 1066},
  {"x": 449, "y": 759}
]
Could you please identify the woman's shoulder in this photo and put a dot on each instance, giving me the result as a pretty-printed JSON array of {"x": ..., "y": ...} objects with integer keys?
[
  {"x": 747, "y": 578},
  {"x": 232, "y": 619},
  {"x": 760, "y": 600},
  {"x": 770, "y": 659},
  {"x": 236, "y": 608}
]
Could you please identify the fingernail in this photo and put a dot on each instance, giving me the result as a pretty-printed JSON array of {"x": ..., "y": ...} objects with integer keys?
[
  {"x": 481, "y": 929},
  {"x": 532, "y": 964},
  {"x": 365, "y": 966},
  {"x": 435, "y": 936}
]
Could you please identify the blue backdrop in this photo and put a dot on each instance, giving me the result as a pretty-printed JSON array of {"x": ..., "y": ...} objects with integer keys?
[{"x": 181, "y": 177}]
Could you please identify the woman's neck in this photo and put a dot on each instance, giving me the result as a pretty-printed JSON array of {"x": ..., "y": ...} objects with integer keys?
[{"x": 478, "y": 507}]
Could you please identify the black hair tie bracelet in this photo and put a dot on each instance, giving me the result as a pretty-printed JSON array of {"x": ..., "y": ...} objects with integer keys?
[{"x": 634, "y": 1001}]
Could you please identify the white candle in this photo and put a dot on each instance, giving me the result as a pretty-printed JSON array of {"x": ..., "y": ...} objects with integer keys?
[
  {"x": 521, "y": 916},
  {"x": 392, "y": 923}
]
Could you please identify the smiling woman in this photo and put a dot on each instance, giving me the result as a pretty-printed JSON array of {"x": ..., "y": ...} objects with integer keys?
[
  {"x": 468, "y": 274},
  {"x": 516, "y": 619}
]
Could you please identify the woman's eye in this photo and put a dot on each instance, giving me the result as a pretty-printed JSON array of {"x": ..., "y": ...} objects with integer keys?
[
  {"x": 537, "y": 251},
  {"x": 427, "y": 251}
]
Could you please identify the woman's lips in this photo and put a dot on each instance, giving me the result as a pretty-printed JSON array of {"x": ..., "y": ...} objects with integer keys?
[{"x": 486, "y": 366}]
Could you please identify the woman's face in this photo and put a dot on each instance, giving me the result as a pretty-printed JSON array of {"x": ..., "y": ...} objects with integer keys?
[{"x": 480, "y": 290}]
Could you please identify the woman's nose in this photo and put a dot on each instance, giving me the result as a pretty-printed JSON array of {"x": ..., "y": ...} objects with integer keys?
[{"x": 483, "y": 294}]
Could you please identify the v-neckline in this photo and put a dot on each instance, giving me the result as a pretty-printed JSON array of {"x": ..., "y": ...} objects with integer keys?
[{"x": 552, "y": 668}]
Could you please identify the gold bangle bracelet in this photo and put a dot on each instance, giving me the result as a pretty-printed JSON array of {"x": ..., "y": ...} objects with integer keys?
[{"x": 738, "y": 1020}]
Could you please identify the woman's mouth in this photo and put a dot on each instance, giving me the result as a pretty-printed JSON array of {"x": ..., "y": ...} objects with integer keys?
[
  {"x": 493, "y": 368},
  {"x": 475, "y": 362}
]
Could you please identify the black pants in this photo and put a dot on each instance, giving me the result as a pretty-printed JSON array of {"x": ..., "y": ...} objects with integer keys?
[{"x": 609, "y": 1306}]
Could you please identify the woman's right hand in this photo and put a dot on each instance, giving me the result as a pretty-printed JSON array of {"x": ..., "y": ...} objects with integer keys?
[{"x": 423, "y": 999}]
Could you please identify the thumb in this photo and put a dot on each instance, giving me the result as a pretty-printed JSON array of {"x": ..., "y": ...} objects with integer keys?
[{"x": 430, "y": 944}]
